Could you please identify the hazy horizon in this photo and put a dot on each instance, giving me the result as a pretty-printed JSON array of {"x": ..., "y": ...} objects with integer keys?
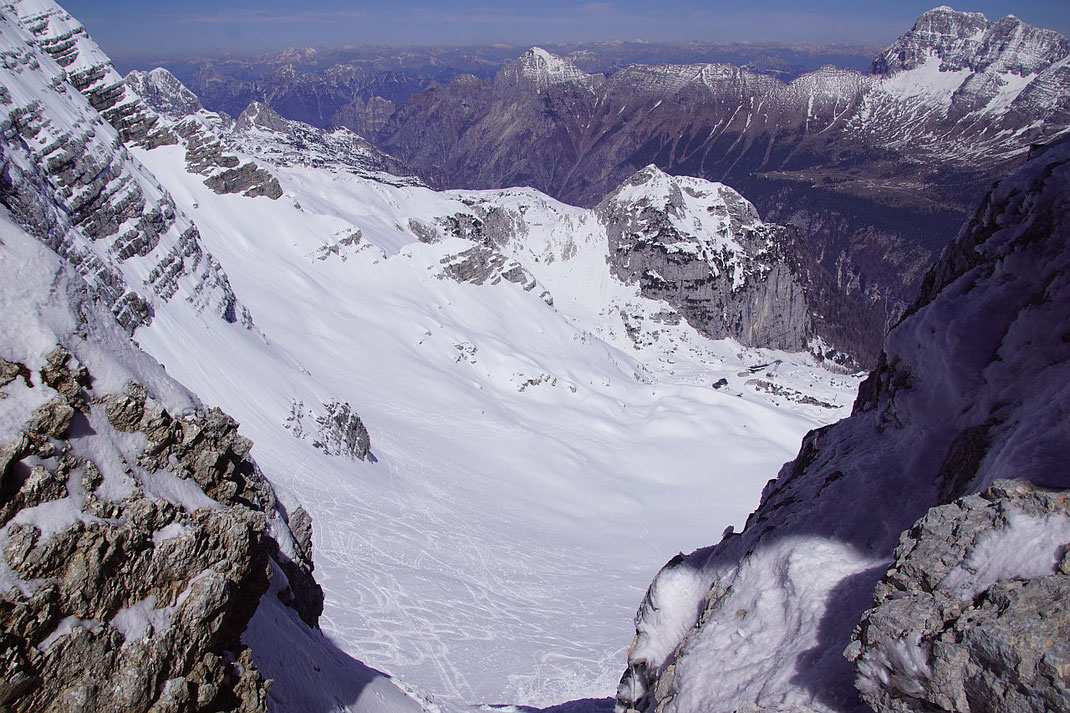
[{"x": 131, "y": 30}]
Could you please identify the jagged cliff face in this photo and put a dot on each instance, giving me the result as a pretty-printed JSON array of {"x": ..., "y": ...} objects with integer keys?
[
  {"x": 969, "y": 390},
  {"x": 702, "y": 248},
  {"x": 71, "y": 182},
  {"x": 134, "y": 529}
]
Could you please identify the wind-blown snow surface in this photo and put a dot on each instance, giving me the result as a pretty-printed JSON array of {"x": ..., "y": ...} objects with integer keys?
[{"x": 530, "y": 465}]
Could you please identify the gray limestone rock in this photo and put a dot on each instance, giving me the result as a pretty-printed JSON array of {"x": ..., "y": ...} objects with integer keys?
[
  {"x": 135, "y": 603},
  {"x": 729, "y": 275},
  {"x": 341, "y": 432},
  {"x": 973, "y": 616}
]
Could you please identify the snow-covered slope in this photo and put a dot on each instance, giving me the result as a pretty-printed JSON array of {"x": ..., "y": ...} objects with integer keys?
[
  {"x": 501, "y": 427},
  {"x": 136, "y": 533},
  {"x": 972, "y": 387}
]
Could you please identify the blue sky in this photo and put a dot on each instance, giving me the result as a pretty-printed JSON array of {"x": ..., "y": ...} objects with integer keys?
[{"x": 137, "y": 27}]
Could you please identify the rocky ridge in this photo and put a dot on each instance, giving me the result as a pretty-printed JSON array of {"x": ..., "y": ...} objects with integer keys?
[
  {"x": 697, "y": 248},
  {"x": 261, "y": 132},
  {"x": 137, "y": 536},
  {"x": 162, "y": 91},
  {"x": 71, "y": 182},
  {"x": 966, "y": 393}
]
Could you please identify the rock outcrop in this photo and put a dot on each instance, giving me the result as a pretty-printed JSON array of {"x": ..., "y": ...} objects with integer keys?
[
  {"x": 702, "y": 248},
  {"x": 973, "y": 614},
  {"x": 336, "y": 429},
  {"x": 134, "y": 529},
  {"x": 970, "y": 390}
]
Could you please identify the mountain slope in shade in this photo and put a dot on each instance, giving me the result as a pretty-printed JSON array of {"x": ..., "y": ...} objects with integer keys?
[{"x": 971, "y": 388}]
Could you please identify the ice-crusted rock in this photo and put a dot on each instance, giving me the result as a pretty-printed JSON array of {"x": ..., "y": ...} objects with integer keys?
[
  {"x": 702, "y": 248},
  {"x": 970, "y": 390},
  {"x": 973, "y": 614},
  {"x": 70, "y": 181},
  {"x": 342, "y": 432}
]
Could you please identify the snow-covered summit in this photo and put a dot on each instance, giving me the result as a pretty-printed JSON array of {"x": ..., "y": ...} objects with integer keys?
[
  {"x": 164, "y": 93},
  {"x": 969, "y": 40},
  {"x": 538, "y": 69}
]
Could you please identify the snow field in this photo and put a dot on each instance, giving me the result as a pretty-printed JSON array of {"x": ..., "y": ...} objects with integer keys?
[{"x": 532, "y": 468}]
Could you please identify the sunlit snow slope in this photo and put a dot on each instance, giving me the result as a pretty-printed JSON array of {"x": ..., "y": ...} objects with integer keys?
[{"x": 530, "y": 464}]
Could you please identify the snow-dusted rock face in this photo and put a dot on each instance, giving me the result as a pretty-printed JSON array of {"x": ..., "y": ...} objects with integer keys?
[
  {"x": 261, "y": 132},
  {"x": 136, "y": 535},
  {"x": 968, "y": 40},
  {"x": 537, "y": 69},
  {"x": 89, "y": 70},
  {"x": 970, "y": 389},
  {"x": 70, "y": 181},
  {"x": 164, "y": 93},
  {"x": 972, "y": 615},
  {"x": 122, "y": 104},
  {"x": 702, "y": 248}
]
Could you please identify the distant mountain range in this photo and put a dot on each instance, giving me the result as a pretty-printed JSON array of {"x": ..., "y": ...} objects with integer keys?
[{"x": 876, "y": 168}]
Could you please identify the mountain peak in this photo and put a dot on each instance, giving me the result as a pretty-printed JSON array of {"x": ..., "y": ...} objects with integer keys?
[
  {"x": 163, "y": 92},
  {"x": 538, "y": 69},
  {"x": 260, "y": 115},
  {"x": 970, "y": 41}
]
